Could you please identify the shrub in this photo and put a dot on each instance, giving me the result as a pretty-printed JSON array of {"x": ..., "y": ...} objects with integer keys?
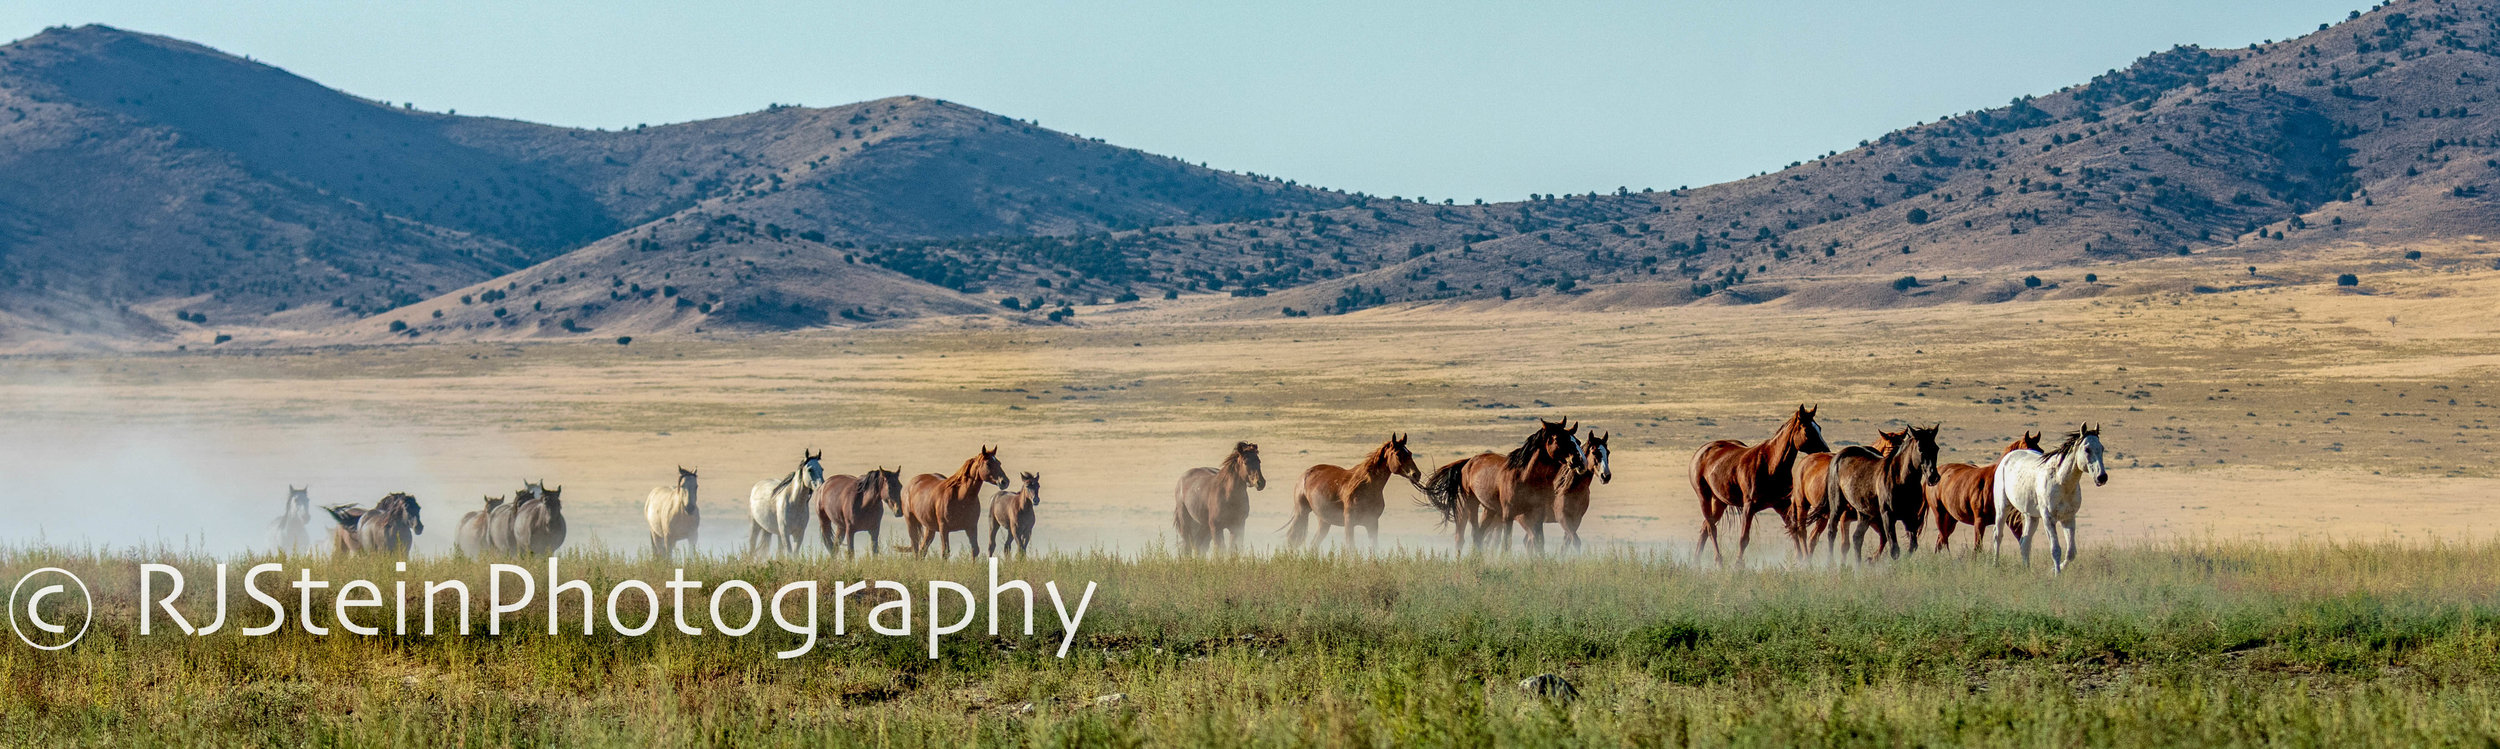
[
  {"x": 2092, "y": 278},
  {"x": 1171, "y": 293},
  {"x": 1125, "y": 297},
  {"x": 222, "y": 338},
  {"x": 2031, "y": 282},
  {"x": 2348, "y": 280},
  {"x": 624, "y": 340},
  {"x": 2413, "y": 254},
  {"x": 1905, "y": 283},
  {"x": 1918, "y": 215},
  {"x": 397, "y": 326},
  {"x": 1011, "y": 303}
]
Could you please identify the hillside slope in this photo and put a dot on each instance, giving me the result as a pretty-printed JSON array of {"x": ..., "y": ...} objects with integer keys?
[{"x": 148, "y": 184}]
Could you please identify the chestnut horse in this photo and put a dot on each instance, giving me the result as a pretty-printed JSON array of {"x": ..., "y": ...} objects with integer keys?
[
  {"x": 847, "y": 506},
  {"x": 1884, "y": 489},
  {"x": 1966, "y": 494},
  {"x": 1729, "y": 475},
  {"x": 1350, "y": 496},
  {"x": 1212, "y": 505},
  {"x": 1012, "y": 512},
  {"x": 1806, "y": 499},
  {"x": 1498, "y": 490},
  {"x": 1595, "y": 462},
  {"x": 936, "y": 507}
]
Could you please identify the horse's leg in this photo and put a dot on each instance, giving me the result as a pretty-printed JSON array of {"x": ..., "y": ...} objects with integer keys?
[
  {"x": 1944, "y": 531},
  {"x": 1571, "y": 532},
  {"x": 2070, "y": 539},
  {"x": 2031, "y": 528},
  {"x": 1744, "y": 531}
]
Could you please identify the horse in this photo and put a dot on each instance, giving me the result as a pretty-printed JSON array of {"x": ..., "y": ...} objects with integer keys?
[
  {"x": 1212, "y": 505},
  {"x": 778, "y": 507},
  {"x": 1013, "y": 512},
  {"x": 934, "y": 506},
  {"x": 1729, "y": 475},
  {"x": 343, "y": 538},
  {"x": 1806, "y": 503},
  {"x": 1573, "y": 504},
  {"x": 1882, "y": 489},
  {"x": 538, "y": 527},
  {"x": 286, "y": 533},
  {"x": 390, "y": 527},
  {"x": 672, "y": 514},
  {"x": 2046, "y": 489},
  {"x": 1501, "y": 489},
  {"x": 499, "y": 525},
  {"x": 1966, "y": 493},
  {"x": 1350, "y": 496},
  {"x": 469, "y": 538},
  {"x": 848, "y": 505}
]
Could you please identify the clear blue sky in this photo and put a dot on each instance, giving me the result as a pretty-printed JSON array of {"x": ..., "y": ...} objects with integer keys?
[{"x": 1443, "y": 99}]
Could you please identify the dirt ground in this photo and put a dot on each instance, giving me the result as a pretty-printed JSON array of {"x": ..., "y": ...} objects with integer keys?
[{"x": 2234, "y": 404}]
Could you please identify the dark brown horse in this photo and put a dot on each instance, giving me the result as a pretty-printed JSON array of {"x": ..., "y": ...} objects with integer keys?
[
  {"x": 847, "y": 506},
  {"x": 1596, "y": 462},
  {"x": 1966, "y": 494},
  {"x": 1498, "y": 490},
  {"x": 1350, "y": 496},
  {"x": 936, "y": 507},
  {"x": 1212, "y": 505},
  {"x": 390, "y": 528},
  {"x": 1809, "y": 516},
  {"x": 1729, "y": 475},
  {"x": 1882, "y": 489},
  {"x": 1011, "y": 513}
]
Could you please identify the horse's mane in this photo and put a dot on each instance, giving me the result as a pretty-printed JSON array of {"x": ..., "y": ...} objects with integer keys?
[
  {"x": 1231, "y": 462},
  {"x": 963, "y": 474},
  {"x": 2072, "y": 439},
  {"x": 1521, "y": 456},
  {"x": 1378, "y": 456}
]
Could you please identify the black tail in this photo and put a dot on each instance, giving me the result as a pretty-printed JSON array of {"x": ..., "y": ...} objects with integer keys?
[
  {"x": 1441, "y": 491},
  {"x": 341, "y": 515}
]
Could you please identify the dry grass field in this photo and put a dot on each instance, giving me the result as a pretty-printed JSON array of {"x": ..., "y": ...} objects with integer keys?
[{"x": 2294, "y": 547}]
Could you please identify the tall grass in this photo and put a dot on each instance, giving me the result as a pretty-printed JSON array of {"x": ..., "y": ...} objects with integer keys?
[{"x": 2191, "y": 642}]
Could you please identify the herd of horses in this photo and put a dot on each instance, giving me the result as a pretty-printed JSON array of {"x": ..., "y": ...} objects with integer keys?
[{"x": 1826, "y": 499}]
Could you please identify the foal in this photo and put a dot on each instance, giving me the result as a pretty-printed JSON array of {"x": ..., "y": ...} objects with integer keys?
[{"x": 1013, "y": 513}]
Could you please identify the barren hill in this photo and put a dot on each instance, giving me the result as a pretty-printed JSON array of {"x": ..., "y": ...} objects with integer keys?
[
  {"x": 2374, "y": 129},
  {"x": 149, "y": 184}
]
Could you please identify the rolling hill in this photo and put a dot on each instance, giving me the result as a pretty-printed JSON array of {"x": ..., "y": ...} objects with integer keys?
[{"x": 154, "y": 190}]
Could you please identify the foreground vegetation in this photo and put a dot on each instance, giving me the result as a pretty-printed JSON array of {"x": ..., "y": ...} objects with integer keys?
[{"x": 2191, "y": 643}]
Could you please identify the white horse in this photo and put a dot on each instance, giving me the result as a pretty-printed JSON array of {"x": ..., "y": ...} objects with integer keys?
[
  {"x": 779, "y": 506},
  {"x": 672, "y": 514},
  {"x": 2045, "y": 490},
  {"x": 287, "y": 534}
]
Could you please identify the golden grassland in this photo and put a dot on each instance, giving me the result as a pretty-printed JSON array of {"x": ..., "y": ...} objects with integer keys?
[{"x": 2294, "y": 548}]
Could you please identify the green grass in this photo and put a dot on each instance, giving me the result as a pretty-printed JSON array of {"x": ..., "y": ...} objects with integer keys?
[{"x": 2189, "y": 643}]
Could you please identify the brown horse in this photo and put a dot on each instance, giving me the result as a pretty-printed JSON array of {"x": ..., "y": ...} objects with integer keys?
[
  {"x": 1013, "y": 512},
  {"x": 389, "y": 528},
  {"x": 1498, "y": 490},
  {"x": 1884, "y": 489},
  {"x": 1595, "y": 463},
  {"x": 1729, "y": 475},
  {"x": 936, "y": 507},
  {"x": 1212, "y": 505},
  {"x": 1966, "y": 494},
  {"x": 1350, "y": 496},
  {"x": 469, "y": 538},
  {"x": 1806, "y": 503},
  {"x": 847, "y": 506}
]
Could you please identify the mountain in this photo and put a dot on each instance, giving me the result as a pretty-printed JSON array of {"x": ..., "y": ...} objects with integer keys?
[
  {"x": 2376, "y": 129},
  {"x": 157, "y": 191},
  {"x": 149, "y": 184}
]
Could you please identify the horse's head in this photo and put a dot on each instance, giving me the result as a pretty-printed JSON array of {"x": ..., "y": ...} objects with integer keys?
[
  {"x": 1802, "y": 434},
  {"x": 407, "y": 506},
  {"x": 1561, "y": 445},
  {"x": 1886, "y": 442},
  {"x": 1400, "y": 462},
  {"x": 299, "y": 498},
  {"x": 987, "y": 469},
  {"x": 1245, "y": 459},
  {"x": 553, "y": 496},
  {"x": 886, "y": 487},
  {"x": 1594, "y": 457},
  {"x": 2092, "y": 455},
  {"x": 492, "y": 503},
  {"x": 811, "y": 469},
  {"x": 1922, "y": 443},
  {"x": 1032, "y": 488}
]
